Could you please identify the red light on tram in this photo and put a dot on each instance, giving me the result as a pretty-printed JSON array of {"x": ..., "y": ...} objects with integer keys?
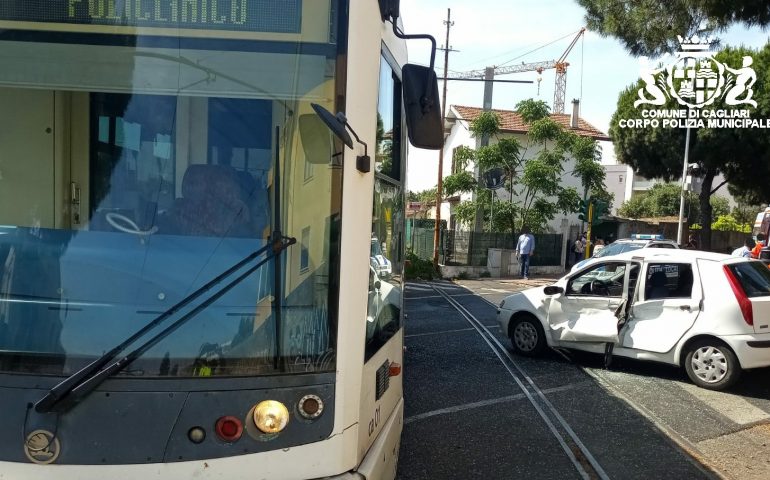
[
  {"x": 229, "y": 429},
  {"x": 394, "y": 370}
]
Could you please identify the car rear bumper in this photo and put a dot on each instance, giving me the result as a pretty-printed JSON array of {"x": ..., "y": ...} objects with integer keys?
[{"x": 753, "y": 351}]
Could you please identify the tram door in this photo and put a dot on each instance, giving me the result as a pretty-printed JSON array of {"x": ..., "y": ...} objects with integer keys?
[{"x": 27, "y": 152}]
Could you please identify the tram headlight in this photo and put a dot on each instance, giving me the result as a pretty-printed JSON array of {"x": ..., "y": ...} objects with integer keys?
[
  {"x": 271, "y": 416},
  {"x": 310, "y": 406}
]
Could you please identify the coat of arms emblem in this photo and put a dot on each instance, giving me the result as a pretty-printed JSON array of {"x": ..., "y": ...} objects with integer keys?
[{"x": 696, "y": 79}]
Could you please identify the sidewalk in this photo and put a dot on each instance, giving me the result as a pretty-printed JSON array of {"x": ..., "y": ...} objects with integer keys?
[{"x": 505, "y": 285}]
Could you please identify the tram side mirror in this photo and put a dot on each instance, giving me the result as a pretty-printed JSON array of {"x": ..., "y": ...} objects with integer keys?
[
  {"x": 339, "y": 126},
  {"x": 553, "y": 290},
  {"x": 423, "y": 109},
  {"x": 316, "y": 139}
]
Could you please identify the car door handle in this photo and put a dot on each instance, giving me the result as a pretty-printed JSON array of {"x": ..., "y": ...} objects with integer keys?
[{"x": 685, "y": 307}]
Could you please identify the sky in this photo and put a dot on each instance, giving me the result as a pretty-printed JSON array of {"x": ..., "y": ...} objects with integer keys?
[{"x": 496, "y": 32}]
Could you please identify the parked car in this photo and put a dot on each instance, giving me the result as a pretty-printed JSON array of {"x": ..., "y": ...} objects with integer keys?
[
  {"x": 377, "y": 260},
  {"x": 708, "y": 313},
  {"x": 383, "y": 313},
  {"x": 623, "y": 245}
]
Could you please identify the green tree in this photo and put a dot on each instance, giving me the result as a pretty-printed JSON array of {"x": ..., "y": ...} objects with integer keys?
[
  {"x": 533, "y": 185},
  {"x": 742, "y": 155},
  {"x": 662, "y": 200},
  {"x": 728, "y": 223},
  {"x": 650, "y": 28},
  {"x": 426, "y": 198},
  {"x": 747, "y": 207}
]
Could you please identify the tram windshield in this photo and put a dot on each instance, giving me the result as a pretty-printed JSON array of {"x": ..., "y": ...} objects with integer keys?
[{"x": 147, "y": 147}]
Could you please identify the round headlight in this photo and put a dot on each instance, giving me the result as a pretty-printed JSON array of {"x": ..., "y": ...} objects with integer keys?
[
  {"x": 310, "y": 406},
  {"x": 271, "y": 416}
]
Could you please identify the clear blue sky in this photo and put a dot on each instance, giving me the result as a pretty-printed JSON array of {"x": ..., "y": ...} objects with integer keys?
[{"x": 495, "y": 32}]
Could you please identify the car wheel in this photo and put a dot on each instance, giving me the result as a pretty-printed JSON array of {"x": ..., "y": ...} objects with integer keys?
[
  {"x": 527, "y": 336},
  {"x": 711, "y": 364}
]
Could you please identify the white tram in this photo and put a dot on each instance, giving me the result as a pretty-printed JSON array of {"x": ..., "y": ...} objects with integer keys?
[{"x": 185, "y": 237}]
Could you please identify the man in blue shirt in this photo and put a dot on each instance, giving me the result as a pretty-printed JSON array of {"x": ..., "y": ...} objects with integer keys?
[{"x": 525, "y": 247}]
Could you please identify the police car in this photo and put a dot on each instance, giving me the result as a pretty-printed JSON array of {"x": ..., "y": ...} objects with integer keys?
[{"x": 623, "y": 245}]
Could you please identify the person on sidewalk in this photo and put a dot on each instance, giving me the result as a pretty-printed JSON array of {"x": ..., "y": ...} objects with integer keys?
[
  {"x": 758, "y": 246},
  {"x": 577, "y": 249},
  {"x": 598, "y": 246},
  {"x": 745, "y": 250},
  {"x": 525, "y": 247},
  {"x": 692, "y": 243}
]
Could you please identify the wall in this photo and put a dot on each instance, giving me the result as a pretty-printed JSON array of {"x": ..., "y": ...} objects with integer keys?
[{"x": 618, "y": 180}]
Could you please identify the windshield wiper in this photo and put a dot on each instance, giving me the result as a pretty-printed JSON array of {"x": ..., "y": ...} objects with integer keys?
[{"x": 81, "y": 383}]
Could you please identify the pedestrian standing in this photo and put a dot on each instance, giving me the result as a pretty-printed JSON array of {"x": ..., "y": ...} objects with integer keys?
[
  {"x": 759, "y": 246},
  {"x": 745, "y": 250},
  {"x": 599, "y": 245},
  {"x": 577, "y": 248},
  {"x": 692, "y": 243},
  {"x": 525, "y": 248}
]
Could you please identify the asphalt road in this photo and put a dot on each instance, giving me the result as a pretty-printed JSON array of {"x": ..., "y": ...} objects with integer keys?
[
  {"x": 728, "y": 431},
  {"x": 466, "y": 416}
]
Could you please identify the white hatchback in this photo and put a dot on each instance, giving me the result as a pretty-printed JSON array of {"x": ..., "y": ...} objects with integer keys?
[{"x": 706, "y": 312}]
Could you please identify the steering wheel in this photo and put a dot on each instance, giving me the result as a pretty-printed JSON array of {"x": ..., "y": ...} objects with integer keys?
[
  {"x": 598, "y": 287},
  {"x": 126, "y": 225}
]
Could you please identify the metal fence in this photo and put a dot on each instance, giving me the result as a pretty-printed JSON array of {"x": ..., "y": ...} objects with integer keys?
[{"x": 471, "y": 248}]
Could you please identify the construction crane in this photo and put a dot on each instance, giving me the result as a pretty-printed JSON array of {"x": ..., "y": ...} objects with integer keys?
[{"x": 560, "y": 65}]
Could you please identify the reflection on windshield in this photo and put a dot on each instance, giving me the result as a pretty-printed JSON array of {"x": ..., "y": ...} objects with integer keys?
[
  {"x": 161, "y": 177},
  {"x": 617, "y": 248}
]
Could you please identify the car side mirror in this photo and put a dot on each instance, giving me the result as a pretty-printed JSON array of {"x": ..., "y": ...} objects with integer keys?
[{"x": 553, "y": 290}]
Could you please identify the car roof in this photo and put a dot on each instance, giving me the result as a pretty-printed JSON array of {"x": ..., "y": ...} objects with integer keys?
[
  {"x": 645, "y": 240},
  {"x": 672, "y": 255}
]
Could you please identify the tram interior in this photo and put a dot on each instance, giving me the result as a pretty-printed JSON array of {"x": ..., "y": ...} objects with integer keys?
[{"x": 116, "y": 206}]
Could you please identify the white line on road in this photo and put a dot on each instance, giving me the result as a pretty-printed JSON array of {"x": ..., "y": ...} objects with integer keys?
[
  {"x": 736, "y": 408},
  {"x": 493, "y": 401},
  {"x": 447, "y": 331},
  {"x": 437, "y": 333},
  {"x": 439, "y": 296}
]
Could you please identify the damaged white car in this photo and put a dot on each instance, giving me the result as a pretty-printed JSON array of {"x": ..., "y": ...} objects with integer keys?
[{"x": 708, "y": 313}]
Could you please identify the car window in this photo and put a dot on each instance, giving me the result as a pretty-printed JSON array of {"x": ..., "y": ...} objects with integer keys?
[
  {"x": 668, "y": 280},
  {"x": 661, "y": 245},
  {"x": 754, "y": 278},
  {"x": 603, "y": 280}
]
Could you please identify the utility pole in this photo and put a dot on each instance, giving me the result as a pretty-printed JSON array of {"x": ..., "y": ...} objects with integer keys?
[
  {"x": 439, "y": 188},
  {"x": 680, "y": 230}
]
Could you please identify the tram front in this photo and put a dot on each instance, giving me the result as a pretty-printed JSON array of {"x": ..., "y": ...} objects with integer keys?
[{"x": 169, "y": 252}]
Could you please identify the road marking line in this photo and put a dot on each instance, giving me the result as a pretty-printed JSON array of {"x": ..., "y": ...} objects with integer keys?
[
  {"x": 496, "y": 290},
  {"x": 736, "y": 408},
  {"x": 493, "y": 401},
  {"x": 437, "y": 333},
  {"x": 446, "y": 331}
]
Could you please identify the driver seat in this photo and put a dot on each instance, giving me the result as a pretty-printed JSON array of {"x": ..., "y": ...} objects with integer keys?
[{"x": 211, "y": 204}]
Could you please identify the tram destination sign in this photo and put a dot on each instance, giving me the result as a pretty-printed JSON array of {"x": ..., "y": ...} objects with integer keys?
[{"x": 268, "y": 16}]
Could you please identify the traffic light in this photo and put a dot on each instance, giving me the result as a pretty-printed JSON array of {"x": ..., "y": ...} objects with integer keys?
[
  {"x": 583, "y": 207},
  {"x": 600, "y": 209}
]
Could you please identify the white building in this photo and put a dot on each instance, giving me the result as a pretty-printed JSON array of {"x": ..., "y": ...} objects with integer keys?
[{"x": 457, "y": 125}]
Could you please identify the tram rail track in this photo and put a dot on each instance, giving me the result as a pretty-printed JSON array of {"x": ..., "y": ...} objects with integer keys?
[{"x": 579, "y": 455}]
